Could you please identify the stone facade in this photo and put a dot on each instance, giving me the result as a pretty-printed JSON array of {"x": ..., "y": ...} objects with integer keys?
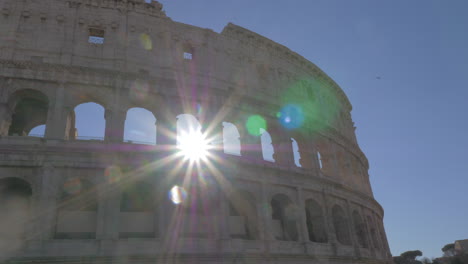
[{"x": 57, "y": 54}]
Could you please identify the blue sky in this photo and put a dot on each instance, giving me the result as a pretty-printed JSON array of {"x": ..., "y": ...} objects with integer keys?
[{"x": 404, "y": 66}]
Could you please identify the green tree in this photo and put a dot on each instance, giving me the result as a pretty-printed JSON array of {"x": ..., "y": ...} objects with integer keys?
[
  {"x": 449, "y": 250},
  {"x": 408, "y": 257}
]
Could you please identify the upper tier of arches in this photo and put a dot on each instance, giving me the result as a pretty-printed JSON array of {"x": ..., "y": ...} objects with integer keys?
[{"x": 240, "y": 134}]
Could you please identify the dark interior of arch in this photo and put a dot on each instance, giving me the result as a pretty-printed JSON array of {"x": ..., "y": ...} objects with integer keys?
[
  {"x": 78, "y": 197},
  {"x": 360, "y": 229},
  {"x": 315, "y": 222},
  {"x": 15, "y": 196},
  {"x": 14, "y": 187},
  {"x": 340, "y": 222},
  {"x": 280, "y": 206},
  {"x": 137, "y": 197},
  {"x": 29, "y": 110},
  {"x": 242, "y": 203}
]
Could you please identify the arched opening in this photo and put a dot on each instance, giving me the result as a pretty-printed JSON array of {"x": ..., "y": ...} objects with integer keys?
[
  {"x": 231, "y": 139},
  {"x": 296, "y": 153},
  {"x": 267, "y": 147},
  {"x": 90, "y": 123},
  {"x": 77, "y": 214},
  {"x": 137, "y": 211},
  {"x": 38, "y": 131},
  {"x": 15, "y": 199},
  {"x": 187, "y": 123},
  {"x": 283, "y": 218},
  {"x": 198, "y": 211},
  {"x": 340, "y": 222},
  {"x": 140, "y": 126},
  {"x": 315, "y": 222},
  {"x": 360, "y": 229},
  {"x": 29, "y": 110},
  {"x": 319, "y": 158},
  {"x": 242, "y": 216},
  {"x": 373, "y": 233}
]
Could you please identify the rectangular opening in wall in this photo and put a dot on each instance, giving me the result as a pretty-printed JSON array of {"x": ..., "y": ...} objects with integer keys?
[
  {"x": 96, "y": 36},
  {"x": 188, "y": 55}
]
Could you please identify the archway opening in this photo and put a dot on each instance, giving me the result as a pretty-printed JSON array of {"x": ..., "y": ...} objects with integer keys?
[
  {"x": 137, "y": 211},
  {"x": 15, "y": 199},
  {"x": 296, "y": 153},
  {"x": 315, "y": 222},
  {"x": 29, "y": 110},
  {"x": 77, "y": 213},
  {"x": 140, "y": 126},
  {"x": 231, "y": 139},
  {"x": 242, "y": 216},
  {"x": 360, "y": 229},
  {"x": 90, "y": 123},
  {"x": 340, "y": 222},
  {"x": 283, "y": 214},
  {"x": 191, "y": 141},
  {"x": 268, "y": 150}
]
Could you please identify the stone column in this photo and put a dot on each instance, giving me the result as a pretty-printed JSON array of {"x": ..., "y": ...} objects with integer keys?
[
  {"x": 370, "y": 242},
  {"x": 109, "y": 193},
  {"x": 352, "y": 230},
  {"x": 48, "y": 196},
  {"x": 166, "y": 123},
  {"x": 331, "y": 232},
  {"x": 115, "y": 123},
  {"x": 265, "y": 217},
  {"x": 58, "y": 114},
  {"x": 302, "y": 221},
  {"x": 5, "y": 118},
  {"x": 282, "y": 144}
]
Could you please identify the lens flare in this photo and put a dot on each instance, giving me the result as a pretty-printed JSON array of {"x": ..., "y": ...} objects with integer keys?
[
  {"x": 193, "y": 145},
  {"x": 73, "y": 186},
  {"x": 113, "y": 173},
  {"x": 255, "y": 124},
  {"x": 177, "y": 195},
  {"x": 146, "y": 42},
  {"x": 291, "y": 116}
]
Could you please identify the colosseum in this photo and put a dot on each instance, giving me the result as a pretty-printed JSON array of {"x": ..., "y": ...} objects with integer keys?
[{"x": 241, "y": 150}]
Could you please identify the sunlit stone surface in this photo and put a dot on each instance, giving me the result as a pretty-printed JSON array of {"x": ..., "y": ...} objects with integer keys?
[{"x": 127, "y": 137}]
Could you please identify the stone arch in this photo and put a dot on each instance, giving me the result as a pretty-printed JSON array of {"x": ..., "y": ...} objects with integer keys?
[
  {"x": 296, "y": 153},
  {"x": 340, "y": 222},
  {"x": 140, "y": 126},
  {"x": 373, "y": 232},
  {"x": 360, "y": 229},
  {"x": 90, "y": 122},
  {"x": 187, "y": 123},
  {"x": 283, "y": 215},
  {"x": 243, "y": 215},
  {"x": 77, "y": 210},
  {"x": 29, "y": 109},
  {"x": 231, "y": 139},
  {"x": 268, "y": 151},
  {"x": 15, "y": 202},
  {"x": 137, "y": 210},
  {"x": 315, "y": 222}
]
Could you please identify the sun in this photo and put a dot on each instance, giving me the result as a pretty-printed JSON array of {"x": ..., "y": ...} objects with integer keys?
[{"x": 193, "y": 145}]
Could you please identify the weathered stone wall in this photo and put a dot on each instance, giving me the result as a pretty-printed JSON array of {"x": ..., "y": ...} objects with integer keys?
[{"x": 44, "y": 47}]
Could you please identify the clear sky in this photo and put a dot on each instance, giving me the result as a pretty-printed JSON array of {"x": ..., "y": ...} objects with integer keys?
[{"x": 404, "y": 66}]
